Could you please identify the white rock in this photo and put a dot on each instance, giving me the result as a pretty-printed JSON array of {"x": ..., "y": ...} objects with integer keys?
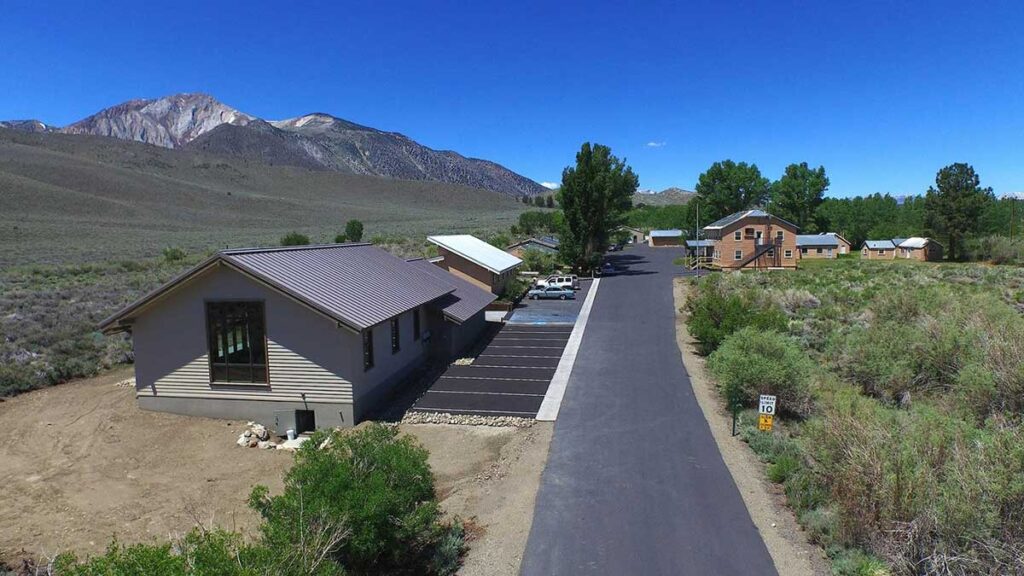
[
  {"x": 266, "y": 445},
  {"x": 292, "y": 445}
]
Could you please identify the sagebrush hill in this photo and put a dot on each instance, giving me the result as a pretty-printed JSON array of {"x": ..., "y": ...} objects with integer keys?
[{"x": 73, "y": 198}]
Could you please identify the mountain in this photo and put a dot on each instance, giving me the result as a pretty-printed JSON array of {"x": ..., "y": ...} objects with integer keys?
[
  {"x": 26, "y": 125},
  {"x": 317, "y": 141},
  {"x": 666, "y": 197},
  {"x": 171, "y": 122},
  {"x": 81, "y": 198}
]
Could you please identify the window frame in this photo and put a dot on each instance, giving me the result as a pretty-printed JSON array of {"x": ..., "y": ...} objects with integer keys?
[
  {"x": 396, "y": 334},
  {"x": 368, "y": 358},
  {"x": 737, "y": 255},
  {"x": 780, "y": 234},
  {"x": 260, "y": 306},
  {"x": 737, "y": 235},
  {"x": 788, "y": 254}
]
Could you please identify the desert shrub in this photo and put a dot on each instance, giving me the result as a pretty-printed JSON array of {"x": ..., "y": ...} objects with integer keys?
[
  {"x": 173, "y": 254},
  {"x": 340, "y": 238},
  {"x": 714, "y": 315},
  {"x": 751, "y": 362},
  {"x": 354, "y": 231},
  {"x": 783, "y": 467},
  {"x": 294, "y": 239},
  {"x": 372, "y": 492},
  {"x": 854, "y": 562}
]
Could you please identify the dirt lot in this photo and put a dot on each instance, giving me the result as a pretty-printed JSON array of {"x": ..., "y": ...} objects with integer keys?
[
  {"x": 792, "y": 553},
  {"x": 81, "y": 463}
]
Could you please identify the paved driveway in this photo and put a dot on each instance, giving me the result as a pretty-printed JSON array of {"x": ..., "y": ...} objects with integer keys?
[
  {"x": 550, "y": 312},
  {"x": 634, "y": 482}
]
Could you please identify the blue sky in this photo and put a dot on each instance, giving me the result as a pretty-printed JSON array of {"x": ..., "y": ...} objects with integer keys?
[{"x": 881, "y": 93}]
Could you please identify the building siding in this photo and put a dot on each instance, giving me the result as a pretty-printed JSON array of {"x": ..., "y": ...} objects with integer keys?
[
  {"x": 656, "y": 241},
  {"x": 473, "y": 272},
  {"x": 726, "y": 244},
  {"x": 811, "y": 252},
  {"x": 869, "y": 254},
  {"x": 305, "y": 351}
]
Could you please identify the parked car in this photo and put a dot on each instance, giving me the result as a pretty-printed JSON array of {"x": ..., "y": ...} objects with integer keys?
[
  {"x": 551, "y": 292},
  {"x": 615, "y": 248},
  {"x": 570, "y": 281}
]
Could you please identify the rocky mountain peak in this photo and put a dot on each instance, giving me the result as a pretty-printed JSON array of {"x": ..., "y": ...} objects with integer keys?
[{"x": 171, "y": 121}]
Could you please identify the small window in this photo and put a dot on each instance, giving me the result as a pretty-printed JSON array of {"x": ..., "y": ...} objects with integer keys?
[
  {"x": 416, "y": 325},
  {"x": 818, "y": 250},
  {"x": 803, "y": 250},
  {"x": 396, "y": 344},
  {"x": 737, "y": 235},
  {"x": 738, "y": 255},
  {"x": 237, "y": 342},
  {"x": 780, "y": 234},
  {"x": 881, "y": 252},
  {"x": 788, "y": 253},
  {"x": 367, "y": 349}
]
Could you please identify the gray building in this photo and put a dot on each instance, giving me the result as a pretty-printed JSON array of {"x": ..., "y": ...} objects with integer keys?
[{"x": 319, "y": 333}]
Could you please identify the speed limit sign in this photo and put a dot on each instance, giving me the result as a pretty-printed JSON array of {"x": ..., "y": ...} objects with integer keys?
[{"x": 766, "y": 405}]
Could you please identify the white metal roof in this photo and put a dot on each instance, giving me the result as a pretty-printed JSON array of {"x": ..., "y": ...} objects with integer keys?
[
  {"x": 915, "y": 242},
  {"x": 666, "y": 233},
  {"x": 477, "y": 251}
]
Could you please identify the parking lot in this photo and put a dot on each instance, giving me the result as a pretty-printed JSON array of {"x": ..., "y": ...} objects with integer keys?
[
  {"x": 550, "y": 312},
  {"x": 508, "y": 378},
  {"x": 512, "y": 373}
]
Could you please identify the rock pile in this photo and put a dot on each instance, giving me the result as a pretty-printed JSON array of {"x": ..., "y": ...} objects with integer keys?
[
  {"x": 255, "y": 436},
  {"x": 466, "y": 419}
]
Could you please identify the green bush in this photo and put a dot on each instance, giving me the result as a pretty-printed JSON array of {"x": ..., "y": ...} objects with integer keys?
[
  {"x": 783, "y": 468},
  {"x": 354, "y": 231},
  {"x": 294, "y": 239},
  {"x": 172, "y": 254},
  {"x": 751, "y": 362},
  {"x": 540, "y": 262},
  {"x": 372, "y": 493},
  {"x": 714, "y": 315}
]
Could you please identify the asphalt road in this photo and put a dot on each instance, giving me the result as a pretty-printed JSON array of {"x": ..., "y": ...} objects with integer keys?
[{"x": 634, "y": 482}]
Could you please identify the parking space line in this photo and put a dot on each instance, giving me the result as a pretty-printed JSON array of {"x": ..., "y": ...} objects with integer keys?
[
  {"x": 493, "y": 378},
  {"x": 484, "y": 393},
  {"x": 556, "y": 389},
  {"x": 464, "y": 411},
  {"x": 535, "y": 347}
]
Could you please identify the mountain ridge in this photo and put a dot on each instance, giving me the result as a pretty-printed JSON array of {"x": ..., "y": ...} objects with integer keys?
[{"x": 317, "y": 140}]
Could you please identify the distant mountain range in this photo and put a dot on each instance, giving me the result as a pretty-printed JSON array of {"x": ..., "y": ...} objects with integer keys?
[
  {"x": 664, "y": 198},
  {"x": 316, "y": 141}
]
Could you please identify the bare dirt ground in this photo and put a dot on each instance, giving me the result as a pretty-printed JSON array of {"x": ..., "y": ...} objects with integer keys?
[
  {"x": 792, "y": 553},
  {"x": 81, "y": 463}
]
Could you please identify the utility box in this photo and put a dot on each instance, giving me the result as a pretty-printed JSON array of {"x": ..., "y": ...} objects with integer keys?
[{"x": 298, "y": 420}]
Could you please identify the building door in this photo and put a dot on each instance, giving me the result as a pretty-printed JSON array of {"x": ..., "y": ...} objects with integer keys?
[{"x": 759, "y": 237}]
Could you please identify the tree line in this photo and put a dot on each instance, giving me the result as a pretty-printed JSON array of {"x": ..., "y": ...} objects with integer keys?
[{"x": 954, "y": 210}]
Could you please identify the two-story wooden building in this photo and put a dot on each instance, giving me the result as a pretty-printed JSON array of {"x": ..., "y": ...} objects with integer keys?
[{"x": 753, "y": 239}]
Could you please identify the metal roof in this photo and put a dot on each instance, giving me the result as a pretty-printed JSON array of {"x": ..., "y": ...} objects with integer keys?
[
  {"x": 737, "y": 216},
  {"x": 465, "y": 301},
  {"x": 879, "y": 244},
  {"x": 823, "y": 240},
  {"x": 915, "y": 242},
  {"x": 700, "y": 243},
  {"x": 666, "y": 233},
  {"x": 898, "y": 241},
  {"x": 477, "y": 251},
  {"x": 546, "y": 241},
  {"x": 358, "y": 285}
]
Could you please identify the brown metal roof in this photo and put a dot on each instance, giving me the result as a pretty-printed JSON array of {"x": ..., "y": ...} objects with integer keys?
[
  {"x": 468, "y": 298},
  {"x": 359, "y": 285}
]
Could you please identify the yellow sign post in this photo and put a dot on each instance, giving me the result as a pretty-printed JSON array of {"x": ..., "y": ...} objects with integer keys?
[{"x": 764, "y": 422}]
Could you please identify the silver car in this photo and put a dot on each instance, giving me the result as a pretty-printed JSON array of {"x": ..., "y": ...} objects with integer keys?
[{"x": 551, "y": 292}]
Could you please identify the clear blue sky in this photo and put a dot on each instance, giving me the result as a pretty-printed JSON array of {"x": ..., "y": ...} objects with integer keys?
[{"x": 881, "y": 93}]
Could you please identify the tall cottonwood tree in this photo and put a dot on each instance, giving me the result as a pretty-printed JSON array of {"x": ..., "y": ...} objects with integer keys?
[
  {"x": 953, "y": 207},
  {"x": 797, "y": 195},
  {"x": 595, "y": 195},
  {"x": 728, "y": 187}
]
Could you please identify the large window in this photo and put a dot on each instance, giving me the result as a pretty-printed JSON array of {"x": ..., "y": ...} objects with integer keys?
[
  {"x": 396, "y": 340},
  {"x": 237, "y": 341},
  {"x": 367, "y": 349}
]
